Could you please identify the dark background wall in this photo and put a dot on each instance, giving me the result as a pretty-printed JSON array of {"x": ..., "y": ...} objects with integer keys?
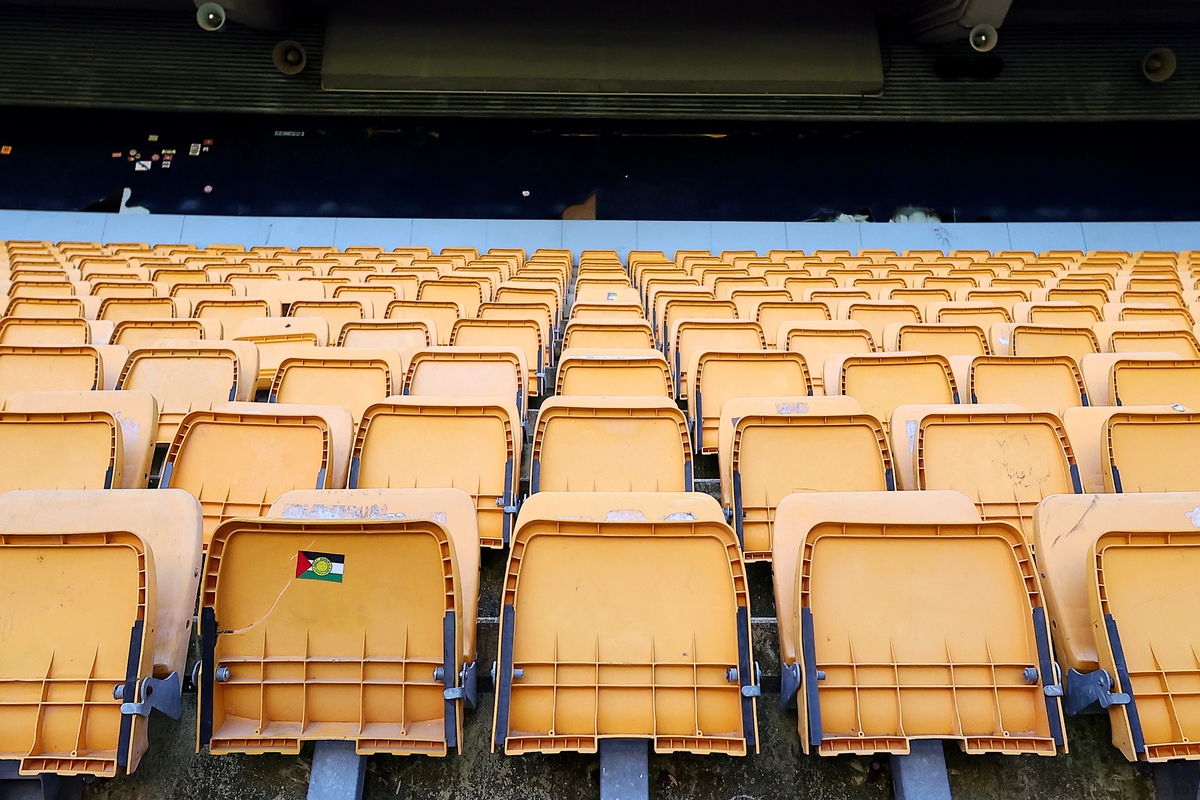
[{"x": 63, "y": 159}]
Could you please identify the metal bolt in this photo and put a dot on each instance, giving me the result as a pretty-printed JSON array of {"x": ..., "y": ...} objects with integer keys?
[
  {"x": 439, "y": 673},
  {"x": 1031, "y": 675},
  {"x": 119, "y": 692},
  {"x": 222, "y": 674},
  {"x": 731, "y": 674}
]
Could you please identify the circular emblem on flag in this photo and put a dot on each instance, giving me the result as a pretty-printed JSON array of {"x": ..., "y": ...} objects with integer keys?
[{"x": 322, "y": 566}]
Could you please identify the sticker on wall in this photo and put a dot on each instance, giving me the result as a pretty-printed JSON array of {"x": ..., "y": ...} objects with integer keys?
[
  {"x": 5, "y": 149},
  {"x": 194, "y": 150},
  {"x": 117, "y": 155},
  {"x": 155, "y": 157},
  {"x": 152, "y": 137},
  {"x": 142, "y": 166},
  {"x": 207, "y": 142},
  {"x": 208, "y": 189},
  {"x": 166, "y": 165}
]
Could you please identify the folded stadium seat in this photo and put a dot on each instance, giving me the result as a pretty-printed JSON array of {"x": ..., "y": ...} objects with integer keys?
[
  {"x": 51, "y": 368},
  {"x": 541, "y": 313},
  {"x": 325, "y": 601},
  {"x": 282, "y": 293},
  {"x": 936, "y": 338},
  {"x": 357, "y": 273},
  {"x": 770, "y": 315},
  {"x": 882, "y": 381},
  {"x": 1147, "y": 336},
  {"x": 278, "y": 338},
  {"x": 335, "y": 312},
  {"x": 351, "y": 377},
  {"x": 521, "y": 291},
  {"x": 1102, "y": 435},
  {"x": 1130, "y": 379},
  {"x": 982, "y": 314},
  {"x": 772, "y": 447},
  {"x": 1043, "y": 340},
  {"x": 48, "y": 307},
  {"x": 1036, "y": 383},
  {"x": 46, "y": 330},
  {"x": 469, "y": 372},
  {"x": 725, "y": 285},
  {"x": 105, "y": 288},
  {"x": 232, "y": 313},
  {"x": 1173, "y": 298},
  {"x": 875, "y": 315},
  {"x": 135, "y": 333},
  {"x": 903, "y": 618},
  {"x": 1120, "y": 576},
  {"x": 689, "y": 336},
  {"x": 40, "y": 288},
  {"x": 292, "y": 272},
  {"x": 1005, "y": 460},
  {"x": 468, "y": 294},
  {"x": 605, "y": 292},
  {"x": 749, "y": 300},
  {"x": 195, "y": 292},
  {"x": 1096, "y": 297},
  {"x": 681, "y": 677},
  {"x": 878, "y": 287},
  {"x": 406, "y": 336},
  {"x": 610, "y": 444},
  {"x": 919, "y": 297},
  {"x": 60, "y": 450},
  {"x": 106, "y": 601},
  {"x": 136, "y": 414},
  {"x": 594, "y": 310},
  {"x": 1005, "y": 297},
  {"x": 1066, "y": 313},
  {"x": 675, "y": 306},
  {"x": 238, "y": 458},
  {"x": 118, "y": 309},
  {"x": 443, "y": 315},
  {"x": 522, "y": 334},
  {"x": 614, "y": 373},
  {"x": 468, "y": 443},
  {"x": 718, "y": 376},
  {"x": 817, "y": 341},
  {"x": 608, "y": 334},
  {"x": 187, "y": 375},
  {"x": 375, "y": 298}
]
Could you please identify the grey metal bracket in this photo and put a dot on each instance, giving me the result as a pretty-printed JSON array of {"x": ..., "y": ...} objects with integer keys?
[
  {"x": 465, "y": 690},
  {"x": 46, "y": 786},
  {"x": 338, "y": 772},
  {"x": 921, "y": 775},
  {"x": 789, "y": 685},
  {"x": 1177, "y": 780},
  {"x": 624, "y": 769},
  {"x": 1091, "y": 692},
  {"x": 158, "y": 695}
]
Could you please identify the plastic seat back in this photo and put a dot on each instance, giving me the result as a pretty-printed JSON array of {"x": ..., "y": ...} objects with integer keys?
[
  {"x": 943, "y": 339},
  {"x": 49, "y": 368},
  {"x": 1125, "y": 602},
  {"x": 351, "y": 377},
  {"x": 468, "y": 372},
  {"x": 323, "y": 596},
  {"x": 817, "y": 341},
  {"x": 886, "y": 605},
  {"x": 76, "y": 626},
  {"x": 1005, "y": 462},
  {"x": 773, "y": 314},
  {"x": 522, "y": 334},
  {"x": 468, "y": 443},
  {"x": 45, "y": 331},
  {"x": 190, "y": 377},
  {"x": 334, "y": 312},
  {"x": 656, "y": 609},
  {"x": 689, "y": 336},
  {"x": 136, "y": 414},
  {"x": 882, "y": 381},
  {"x": 1143, "y": 452},
  {"x": 1039, "y": 383},
  {"x": 236, "y": 463},
  {"x": 405, "y": 336},
  {"x": 169, "y": 521},
  {"x": 1050, "y": 340},
  {"x": 608, "y": 334},
  {"x": 60, "y": 450},
  {"x": 231, "y": 313},
  {"x": 443, "y": 314},
  {"x": 615, "y": 373},
  {"x": 773, "y": 455},
  {"x": 135, "y": 333},
  {"x": 719, "y": 375},
  {"x": 603, "y": 444}
]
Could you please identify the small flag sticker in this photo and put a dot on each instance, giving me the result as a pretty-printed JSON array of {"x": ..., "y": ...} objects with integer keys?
[{"x": 320, "y": 566}]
